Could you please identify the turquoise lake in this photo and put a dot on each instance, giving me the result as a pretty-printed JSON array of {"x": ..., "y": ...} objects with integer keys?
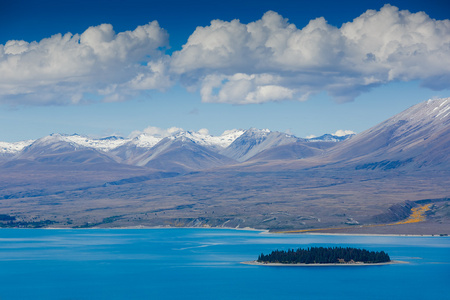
[{"x": 205, "y": 264}]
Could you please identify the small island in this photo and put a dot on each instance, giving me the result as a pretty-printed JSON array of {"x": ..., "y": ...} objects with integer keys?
[{"x": 324, "y": 256}]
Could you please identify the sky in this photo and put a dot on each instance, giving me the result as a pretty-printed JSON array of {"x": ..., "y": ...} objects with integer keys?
[{"x": 102, "y": 68}]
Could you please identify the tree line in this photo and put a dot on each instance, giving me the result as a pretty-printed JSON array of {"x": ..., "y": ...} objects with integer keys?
[{"x": 322, "y": 255}]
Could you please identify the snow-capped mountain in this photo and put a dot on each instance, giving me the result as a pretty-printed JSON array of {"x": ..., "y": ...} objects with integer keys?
[
  {"x": 216, "y": 142},
  {"x": 254, "y": 141},
  {"x": 8, "y": 150},
  {"x": 292, "y": 151},
  {"x": 172, "y": 150},
  {"x": 418, "y": 137},
  {"x": 52, "y": 144},
  {"x": 103, "y": 144},
  {"x": 144, "y": 140},
  {"x": 181, "y": 154},
  {"x": 140, "y": 148},
  {"x": 182, "y": 151},
  {"x": 280, "y": 181},
  {"x": 229, "y": 147},
  {"x": 330, "y": 138},
  {"x": 58, "y": 150},
  {"x": 415, "y": 138}
]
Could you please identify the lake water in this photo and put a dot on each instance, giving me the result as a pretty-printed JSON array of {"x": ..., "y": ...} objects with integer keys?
[{"x": 205, "y": 264}]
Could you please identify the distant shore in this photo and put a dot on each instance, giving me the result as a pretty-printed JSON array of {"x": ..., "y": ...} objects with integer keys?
[
  {"x": 367, "y": 234},
  {"x": 256, "y": 263},
  {"x": 262, "y": 231}
]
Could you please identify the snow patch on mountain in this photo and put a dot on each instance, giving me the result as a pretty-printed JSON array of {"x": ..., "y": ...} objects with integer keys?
[
  {"x": 104, "y": 144},
  {"x": 338, "y": 136},
  {"x": 329, "y": 138},
  {"x": 52, "y": 139},
  {"x": 151, "y": 136},
  {"x": 254, "y": 141},
  {"x": 203, "y": 138},
  {"x": 145, "y": 140},
  {"x": 426, "y": 111},
  {"x": 341, "y": 132},
  {"x": 418, "y": 137},
  {"x": 13, "y": 148}
]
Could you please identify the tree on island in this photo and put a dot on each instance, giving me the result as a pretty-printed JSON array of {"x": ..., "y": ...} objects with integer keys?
[{"x": 322, "y": 255}]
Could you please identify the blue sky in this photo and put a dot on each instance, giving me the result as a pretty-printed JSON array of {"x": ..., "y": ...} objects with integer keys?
[{"x": 275, "y": 66}]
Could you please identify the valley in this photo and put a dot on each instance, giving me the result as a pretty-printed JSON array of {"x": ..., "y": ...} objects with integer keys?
[{"x": 245, "y": 178}]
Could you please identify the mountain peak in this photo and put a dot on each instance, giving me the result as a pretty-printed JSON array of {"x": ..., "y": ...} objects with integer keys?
[
  {"x": 111, "y": 138},
  {"x": 254, "y": 141},
  {"x": 13, "y": 148},
  {"x": 431, "y": 110},
  {"x": 205, "y": 139},
  {"x": 256, "y": 131},
  {"x": 50, "y": 139},
  {"x": 145, "y": 140},
  {"x": 330, "y": 138},
  {"x": 417, "y": 137}
]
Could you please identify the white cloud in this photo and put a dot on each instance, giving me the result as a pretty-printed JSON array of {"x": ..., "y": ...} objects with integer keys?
[
  {"x": 156, "y": 132},
  {"x": 243, "y": 89},
  {"x": 341, "y": 132},
  {"x": 226, "y": 60},
  {"x": 154, "y": 76},
  {"x": 62, "y": 69},
  {"x": 203, "y": 131},
  {"x": 231, "y": 62}
]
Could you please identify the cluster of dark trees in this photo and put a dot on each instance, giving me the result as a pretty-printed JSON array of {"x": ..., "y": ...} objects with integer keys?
[
  {"x": 322, "y": 255},
  {"x": 7, "y": 218}
]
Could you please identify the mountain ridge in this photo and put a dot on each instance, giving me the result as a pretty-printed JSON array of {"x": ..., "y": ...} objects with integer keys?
[
  {"x": 143, "y": 148},
  {"x": 281, "y": 183},
  {"x": 419, "y": 136},
  {"x": 415, "y": 138},
  {"x": 145, "y": 140}
]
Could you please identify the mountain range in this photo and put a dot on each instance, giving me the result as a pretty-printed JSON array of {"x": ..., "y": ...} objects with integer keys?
[
  {"x": 182, "y": 151},
  {"x": 243, "y": 178}
]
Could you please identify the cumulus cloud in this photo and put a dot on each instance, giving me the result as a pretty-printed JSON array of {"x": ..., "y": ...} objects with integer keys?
[
  {"x": 203, "y": 131},
  {"x": 243, "y": 89},
  {"x": 156, "y": 132},
  {"x": 271, "y": 59},
  {"x": 63, "y": 69},
  {"x": 267, "y": 60},
  {"x": 341, "y": 132}
]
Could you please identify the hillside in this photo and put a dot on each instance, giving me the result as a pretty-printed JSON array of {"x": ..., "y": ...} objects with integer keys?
[
  {"x": 254, "y": 178},
  {"x": 416, "y": 138}
]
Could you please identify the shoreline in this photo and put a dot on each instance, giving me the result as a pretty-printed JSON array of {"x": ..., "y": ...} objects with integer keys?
[
  {"x": 256, "y": 263},
  {"x": 373, "y": 234},
  {"x": 261, "y": 231}
]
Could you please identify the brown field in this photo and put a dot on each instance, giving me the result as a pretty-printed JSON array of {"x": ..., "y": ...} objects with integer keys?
[{"x": 286, "y": 200}]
